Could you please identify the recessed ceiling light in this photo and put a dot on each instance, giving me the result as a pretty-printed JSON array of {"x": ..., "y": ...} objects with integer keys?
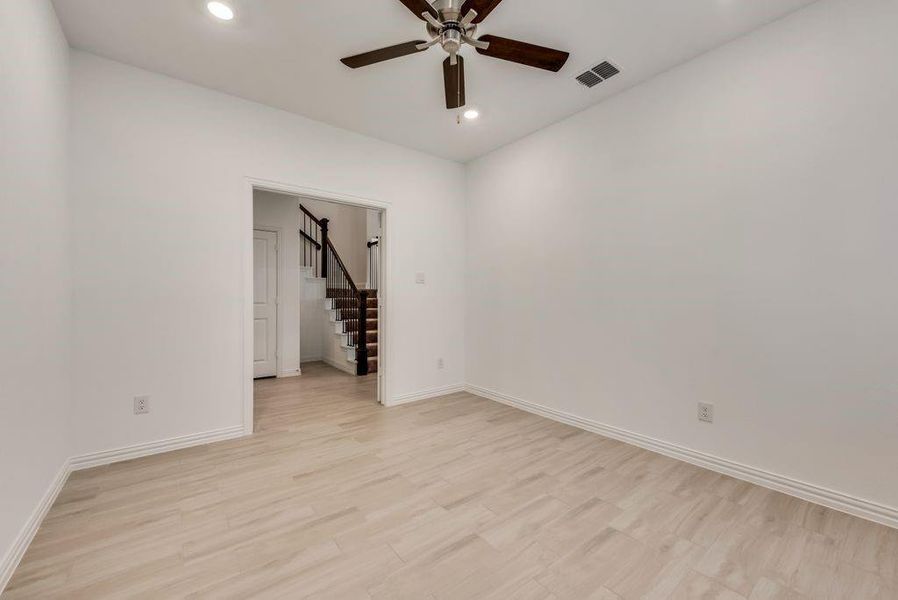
[
  {"x": 221, "y": 10},
  {"x": 471, "y": 114}
]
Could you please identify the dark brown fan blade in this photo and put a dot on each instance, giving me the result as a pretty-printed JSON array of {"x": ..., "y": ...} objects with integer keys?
[
  {"x": 454, "y": 78},
  {"x": 420, "y": 6},
  {"x": 376, "y": 56},
  {"x": 524, "y": 53},
  {"x": 483, "y": 8}
]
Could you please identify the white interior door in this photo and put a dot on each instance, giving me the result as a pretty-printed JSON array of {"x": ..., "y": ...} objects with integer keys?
[{"x": 265, "y": 292}]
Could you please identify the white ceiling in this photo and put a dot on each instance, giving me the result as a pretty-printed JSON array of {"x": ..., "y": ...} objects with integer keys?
[{"x": 285, "y": 53}]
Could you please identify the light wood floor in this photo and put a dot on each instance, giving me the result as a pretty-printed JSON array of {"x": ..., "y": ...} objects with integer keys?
[{"x": 338, "y": 498}]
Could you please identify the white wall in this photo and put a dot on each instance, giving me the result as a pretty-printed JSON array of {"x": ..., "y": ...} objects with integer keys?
[
  {"x": 347, "y": 226},
  {"x": 278, "y": 210},
  {"x": 373, "y": 229},
  {"x": 314, "y": 319},
  {"x": 159, "y": 199},
  {"x": 724, "y": 233},
  {"x": 35, "y": 288},
  {"x": 373, "y": 226}
]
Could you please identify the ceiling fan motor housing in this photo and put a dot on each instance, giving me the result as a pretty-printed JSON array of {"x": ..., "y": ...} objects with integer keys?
[
  {"x": 449, "y": 10},
  {"x": 451, "y": 30}
]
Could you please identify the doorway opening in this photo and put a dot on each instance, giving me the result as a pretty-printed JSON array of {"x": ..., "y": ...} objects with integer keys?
[{"x": 318, "y": 297}]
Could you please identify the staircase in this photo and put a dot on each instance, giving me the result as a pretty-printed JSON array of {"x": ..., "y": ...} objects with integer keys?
[
  {"x": 353, "y": 311},
  {"x": 344, "y": 312}
]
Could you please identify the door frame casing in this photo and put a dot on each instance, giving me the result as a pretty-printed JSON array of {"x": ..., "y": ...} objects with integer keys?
[
  {"x": 384, "y": 379},
  {"x": 281, "y": 257}
]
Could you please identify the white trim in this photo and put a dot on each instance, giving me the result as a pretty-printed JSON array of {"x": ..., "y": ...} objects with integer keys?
[
  {"x": 836, "y": 500},
  {"x": 14, "y": 556},
  {"x": 316, "y": 193},
  {"x": 95, "y": 459},
  {"x": 346, "y": 368},
  {"x": 426, "y": 394},
  {"x": 289, "y": 373},
  {"x": 858, "y": 507},
  {"x": 247, "y": 313}
]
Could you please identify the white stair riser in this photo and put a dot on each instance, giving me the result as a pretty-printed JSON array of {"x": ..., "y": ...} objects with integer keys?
[{"x": 342, "y": 337}]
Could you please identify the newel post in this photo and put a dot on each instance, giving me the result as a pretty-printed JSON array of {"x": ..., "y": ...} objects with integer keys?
[
  {"x": 323, "y": 224},
  {"x": 361, "y": 347}
]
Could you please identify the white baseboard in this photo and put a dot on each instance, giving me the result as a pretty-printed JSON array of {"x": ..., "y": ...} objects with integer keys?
[
  {"x": 23, "y": 540},
  {"x": 425, "y": 394},
  {"x": 836, "y": 500},
  {"x": 865, "y": 509},
  {"x": 289, "y": 373},
  {"x": 14, "y": 555},
  {"x": 95, "y": 459},
  {"x": 346, "y": 367}
]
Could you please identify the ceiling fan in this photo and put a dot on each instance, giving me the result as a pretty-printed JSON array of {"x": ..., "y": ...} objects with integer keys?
[{"x": 451, "y": 24}]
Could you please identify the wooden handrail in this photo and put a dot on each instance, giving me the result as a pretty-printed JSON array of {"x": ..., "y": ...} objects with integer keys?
[
  {"x": 310, "y": 221},
  {"x": 361, "y": 328},
  {"x": 343, "y": 268},
  {"x": 311, "y": 239},
  {"x": 310, "y": 215}
]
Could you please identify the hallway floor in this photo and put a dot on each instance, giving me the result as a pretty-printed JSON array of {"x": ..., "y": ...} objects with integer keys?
[{"x": 336, "y": 497}]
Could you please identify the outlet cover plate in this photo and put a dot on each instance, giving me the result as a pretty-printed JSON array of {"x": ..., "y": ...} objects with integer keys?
[
  {"x": 141, "y": 405},
  {"x": 705, "y": 412}
]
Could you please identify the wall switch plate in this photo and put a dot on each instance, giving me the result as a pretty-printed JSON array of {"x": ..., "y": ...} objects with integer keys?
[
  {"x": 141, "y": 405},
  {"x": 440, "y": 363},
  {"x": 419, "y": 277},
  {"x": 705, "y": 412}
]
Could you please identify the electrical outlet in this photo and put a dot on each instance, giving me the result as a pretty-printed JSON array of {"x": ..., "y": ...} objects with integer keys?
[
  {"x": 439, "y": 363},
  {"x": 705, "y": 412},
  {"x": 419, "y": 278},
  {"x": 141, "y": 405}
]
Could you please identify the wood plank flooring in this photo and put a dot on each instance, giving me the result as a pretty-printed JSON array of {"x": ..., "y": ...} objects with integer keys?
[{"x": 336, "y": 497}]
